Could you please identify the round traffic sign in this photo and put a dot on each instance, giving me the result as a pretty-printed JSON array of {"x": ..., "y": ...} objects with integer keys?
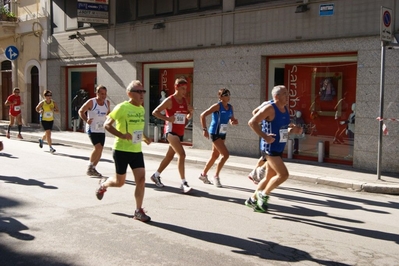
[{"x": 386, "y": 18}]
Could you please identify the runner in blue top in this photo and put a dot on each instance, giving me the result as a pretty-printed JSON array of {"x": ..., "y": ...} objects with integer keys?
[
  {"x": 222, "y": 115},
  {"x": 275, "y": 121}
]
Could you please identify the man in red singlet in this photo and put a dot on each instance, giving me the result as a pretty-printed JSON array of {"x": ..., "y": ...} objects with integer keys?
[
  {"x": 14, "y": 101},
  {"x": 177, "y": 113}
]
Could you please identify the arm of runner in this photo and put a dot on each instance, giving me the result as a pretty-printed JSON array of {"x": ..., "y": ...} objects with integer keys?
[
  {"x": 233, "y": 120},
  {"x": 203, "y": 116},
  {"x": 166, "y": 104},
  {"x": 86, "y": 107},
  {"x": 109, "y": 126},
  {"x": 266, "y": 112},
  {"x": 39, "y": 108},
  {"x": 56, "y": 110}
]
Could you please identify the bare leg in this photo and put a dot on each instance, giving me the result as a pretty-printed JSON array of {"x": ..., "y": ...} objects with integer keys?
[
  {"x": 96, "y": 154},
  {"x": 265, "y": 181},
  {"x": 174, "y": 141},
  {"x": 47, "y": 137},
  {"x": 167, "y": 159},
  {"x": 214, "y": 155},
  {"x": 139, "y": 179},
  {"x": 221, "y": 147},
  {"x": 276, "y": 163}
]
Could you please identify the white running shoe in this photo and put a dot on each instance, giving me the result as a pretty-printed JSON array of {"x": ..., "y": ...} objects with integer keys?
[{"x": 185, "y": 187}]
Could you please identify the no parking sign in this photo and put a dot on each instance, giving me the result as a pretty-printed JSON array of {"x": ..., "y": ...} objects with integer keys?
[{"x": 386, "y": 24}]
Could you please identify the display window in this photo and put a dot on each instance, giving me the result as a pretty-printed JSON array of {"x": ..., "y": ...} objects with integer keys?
[
  {"x": 322, "y": 101},
  {"x": 159, "y": 80}
]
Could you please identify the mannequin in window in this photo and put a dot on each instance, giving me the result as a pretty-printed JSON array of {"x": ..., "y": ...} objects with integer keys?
[
  {"x": 298, "y": 120},
  {"x": 350, "y": 128},
  {"x": 341, "y": 109},
  {"x": 80, "y": 98}
]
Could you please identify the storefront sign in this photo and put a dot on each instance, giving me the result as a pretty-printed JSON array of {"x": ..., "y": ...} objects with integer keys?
[
  {"x": 326, "y": 10},
  {"x": 164, "y": 79},
  {"x": 94, "y": 11},
  {"x": 292, "y": 90}
]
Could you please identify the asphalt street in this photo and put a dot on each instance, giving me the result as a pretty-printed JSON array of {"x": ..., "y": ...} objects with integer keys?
[{"x": 50, "y": 216}]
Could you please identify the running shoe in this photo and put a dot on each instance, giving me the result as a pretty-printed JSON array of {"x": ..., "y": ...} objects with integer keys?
[
  {"x": 8, "y": 135},
  {"x": 204, "y": 178},
  {"x": 250, "y": 203},
  {"x": 40, "y": 143},
  {"x": 20, "y": 136},
  {"x": 52, "y": 150},
  {"x": 262, "y": 202},
  {"x": 216, "y": 182},
  {"x": 185, "y": 187},
  {"x": 157, "y": 180},
  {"x": 93, "y": 172},
  {"x": 141, "y": 216},
  {"x": 101, "y": 190},
  {"x": 260, "y": 173},
  {"x": 253, "y": 177}
]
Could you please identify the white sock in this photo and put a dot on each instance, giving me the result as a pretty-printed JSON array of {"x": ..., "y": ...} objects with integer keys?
[
  {"x": 156, "y": 174},
  {"x": 183, "y": 181}
]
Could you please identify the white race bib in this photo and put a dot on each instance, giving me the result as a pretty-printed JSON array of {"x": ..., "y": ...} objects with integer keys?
[
  {"x": 48, "y": 114},
  {"x": 137, "y": 136},
  {"x": 180, "y": 119},
  {"x": 17, "y": 108},
  {"x": 283, "y": 135},
  {"x": 99, "y": 125},
  {"x": 223, "y": 129}
]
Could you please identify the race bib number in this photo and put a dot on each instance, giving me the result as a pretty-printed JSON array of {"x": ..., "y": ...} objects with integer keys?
[
  {"x": 17, "y": 108},
  {"x": 180, "y": 119},
  {"x": 48, "y": 114},
  {"x": 283, "y": 135},
  {"x": 99, "y": 125},
  {"x": 137, "y": 136},
  {"x": 223, "y": 129}
]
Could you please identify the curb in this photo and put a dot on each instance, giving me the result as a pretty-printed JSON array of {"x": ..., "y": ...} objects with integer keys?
[{"x": 308, "y": 177}]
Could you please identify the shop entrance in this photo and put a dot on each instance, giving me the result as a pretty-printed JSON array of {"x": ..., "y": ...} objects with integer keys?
[
  {"x": 81, "y": 85},
  {"x": 159, "y": 83},
  {"x": 6, "y": 86}
]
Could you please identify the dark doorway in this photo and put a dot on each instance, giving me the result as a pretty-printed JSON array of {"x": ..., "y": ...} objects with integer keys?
[
  {"x": 6, "y": 89},
  {"x": 34, "y": 74}
]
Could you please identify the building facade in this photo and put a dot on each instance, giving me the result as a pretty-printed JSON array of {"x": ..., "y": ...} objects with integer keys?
[
  {"x": 327, "y": 53},
  {"x": 24, "y": 66}
]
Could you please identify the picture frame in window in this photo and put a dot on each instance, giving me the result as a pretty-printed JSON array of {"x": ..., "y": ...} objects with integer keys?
[{"x": 324, "y": 99}]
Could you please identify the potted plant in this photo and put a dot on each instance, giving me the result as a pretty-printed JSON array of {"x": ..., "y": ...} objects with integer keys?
[
  {"x": 12, "y": 17},
  {"x": 3, "y": 13}
]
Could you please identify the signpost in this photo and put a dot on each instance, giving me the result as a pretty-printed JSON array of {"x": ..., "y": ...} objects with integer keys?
[{"x": 386, "y": 39}]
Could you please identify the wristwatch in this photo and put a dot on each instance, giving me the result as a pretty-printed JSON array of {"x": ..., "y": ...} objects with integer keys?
[{"x": 204, "y": 129}]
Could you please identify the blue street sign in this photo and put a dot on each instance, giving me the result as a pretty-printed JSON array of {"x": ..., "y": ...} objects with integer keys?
[
  {"x": 326, "y": 10},
  {"x": 11, "y": 52}
]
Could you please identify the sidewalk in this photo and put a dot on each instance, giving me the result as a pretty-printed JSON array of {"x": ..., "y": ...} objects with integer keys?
[{"x": 320, "y": 173}]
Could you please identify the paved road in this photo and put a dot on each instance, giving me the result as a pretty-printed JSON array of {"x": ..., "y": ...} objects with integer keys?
[{"x": 50, "y": 216}]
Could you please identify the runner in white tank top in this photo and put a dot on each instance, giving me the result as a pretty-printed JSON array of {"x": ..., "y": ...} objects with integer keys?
[{"x": 94, "y": 112}]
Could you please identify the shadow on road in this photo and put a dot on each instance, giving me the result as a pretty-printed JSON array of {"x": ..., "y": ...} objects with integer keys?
[
  {"x": 25, "y": 182},
  {"x": 337, "y": 227},
  {"x": 335, "y": 200},
  {"x": 253, "y": 247},
  {"x": 7, "y": 155}
]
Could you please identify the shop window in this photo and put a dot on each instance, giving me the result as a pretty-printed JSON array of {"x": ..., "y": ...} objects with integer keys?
[
  {"x": 322, "y": 100},
  {"x": 125, "y": 10},
  {"x": 164, "y": 7},
  {"x": 145, "y": 8}
]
